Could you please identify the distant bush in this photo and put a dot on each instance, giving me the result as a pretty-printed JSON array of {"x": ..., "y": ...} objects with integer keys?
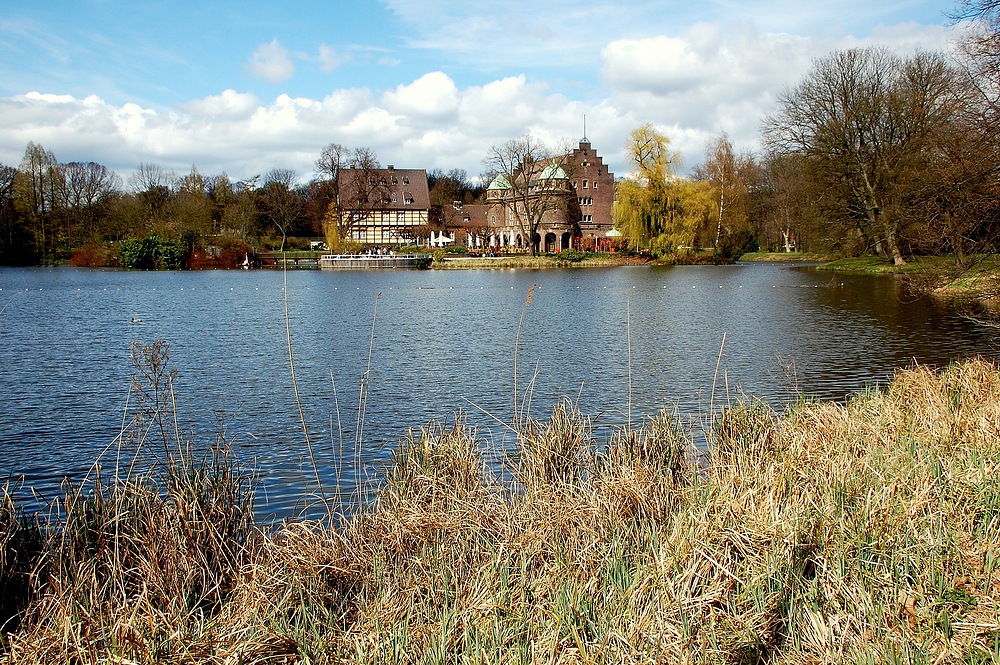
[
  {"x": 151, "y": 253},
  {"x": 94, "y": 255},
  {"x": 414, "y": 249}
]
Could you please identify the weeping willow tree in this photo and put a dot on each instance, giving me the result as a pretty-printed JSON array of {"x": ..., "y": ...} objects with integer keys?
[{"x": 644, "y": 211}]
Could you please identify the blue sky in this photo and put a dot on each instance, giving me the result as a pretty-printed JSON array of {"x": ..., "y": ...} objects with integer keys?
[{"x": 243, "y": 87}]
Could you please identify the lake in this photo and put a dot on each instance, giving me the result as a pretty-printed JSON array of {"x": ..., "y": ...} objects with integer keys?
[{"x": 622, "y": 343}]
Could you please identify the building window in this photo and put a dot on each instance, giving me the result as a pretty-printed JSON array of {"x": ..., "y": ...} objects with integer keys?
[
  {"x": 400, "y": 217},
  {"x": 595, "y": 184},
  {"x": 406, "y": 180},
  {"x": 585, "y": 184}
]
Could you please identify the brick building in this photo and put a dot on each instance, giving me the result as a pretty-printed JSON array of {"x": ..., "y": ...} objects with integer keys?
[
  {"x": 594, "y": 185},
  {"x": 585, "y": 187}
]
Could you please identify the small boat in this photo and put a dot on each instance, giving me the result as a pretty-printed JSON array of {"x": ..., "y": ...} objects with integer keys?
[{"x": 369, "y": 261}]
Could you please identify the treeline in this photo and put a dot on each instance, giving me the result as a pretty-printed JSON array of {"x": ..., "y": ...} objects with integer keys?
[
  {"x": 84, "y": 213},
  {"x": 870, "y": 153}
]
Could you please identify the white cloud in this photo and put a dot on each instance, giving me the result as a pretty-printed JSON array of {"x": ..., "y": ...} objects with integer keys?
[
  {"x": 329, "y": 58},
  {"x": 51, "y": 99},
  {"x": 228, "y": 104},
  {"x": 433, "y": 95},
  {"x": 271, "y": 62}
]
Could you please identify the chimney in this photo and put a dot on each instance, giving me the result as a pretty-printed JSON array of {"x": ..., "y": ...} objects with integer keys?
[{"x": 390, "y": 167}]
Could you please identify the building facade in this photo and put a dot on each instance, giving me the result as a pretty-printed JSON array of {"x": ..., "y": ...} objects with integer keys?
[
  {"x": 383, "y": 207},
  {"x": 570, "y": 200},
  {"x": 594, "y": 186}
]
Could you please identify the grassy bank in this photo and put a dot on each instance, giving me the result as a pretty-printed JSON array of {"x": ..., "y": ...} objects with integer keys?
[
  {"x": 867, "y": 532},
  {"x": 977, "y": 277},
  {"x": 877, "y": 265},
  {"x": 786, "y": 257}
]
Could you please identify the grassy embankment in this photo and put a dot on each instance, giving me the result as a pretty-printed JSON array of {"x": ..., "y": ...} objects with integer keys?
[
  {"x": 787, "y": 257},
  {"x": 864, "y": 532},
  {"x": 980, "y": 275}
]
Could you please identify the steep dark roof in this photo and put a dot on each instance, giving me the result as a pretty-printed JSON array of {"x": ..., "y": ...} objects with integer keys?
[
  {"x": 400, "y": 189},
  {"x": 473, "y": 215}
]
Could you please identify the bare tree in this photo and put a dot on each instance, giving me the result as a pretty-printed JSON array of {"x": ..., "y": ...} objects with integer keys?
[
  {"x": 334, "y": 158},
  {"x": 85, "y": 186},
  {"x": 361, "y": 191},
  {"x": 154, "y": 187},
  {"x": 981, "y": 51},
  {"x": 37, "y": 192},
  {"x": 352, "y": 191},
  {"x": 280, "y": 204},
  {"x": 150, "y": 176},
  {"x": 9, "y": 240},
  {"x": 530, "y": 183},
  {"x": 863, "y": 119}
]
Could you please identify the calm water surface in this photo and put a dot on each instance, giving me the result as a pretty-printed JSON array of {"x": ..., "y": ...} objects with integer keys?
[{"x": 443, "y": 344}]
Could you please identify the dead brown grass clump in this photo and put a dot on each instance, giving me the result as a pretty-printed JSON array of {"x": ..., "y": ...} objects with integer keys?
[{"x": 865, "y": 532}]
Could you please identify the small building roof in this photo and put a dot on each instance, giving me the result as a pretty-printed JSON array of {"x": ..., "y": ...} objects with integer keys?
[
  {"x": 552, "y": 172},
  {"x": 499, "y": 182}
]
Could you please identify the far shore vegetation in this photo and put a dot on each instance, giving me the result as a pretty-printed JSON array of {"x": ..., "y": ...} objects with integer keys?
[{"x": 866, "y": 531}]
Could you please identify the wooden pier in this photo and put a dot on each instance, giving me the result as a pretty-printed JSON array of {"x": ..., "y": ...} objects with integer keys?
[{"x": 373, "y": 261}]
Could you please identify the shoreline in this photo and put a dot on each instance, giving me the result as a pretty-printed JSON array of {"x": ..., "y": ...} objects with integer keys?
[
  {"x": 539, "y": 262},
  {"x": 978, "y": 280}
]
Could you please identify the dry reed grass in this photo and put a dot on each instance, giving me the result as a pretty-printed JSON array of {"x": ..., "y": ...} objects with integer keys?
[{"x": 865, "y": 532}]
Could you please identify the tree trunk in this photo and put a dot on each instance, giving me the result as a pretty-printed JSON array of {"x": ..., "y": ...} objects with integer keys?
[{"x": 893, "y": 247}]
